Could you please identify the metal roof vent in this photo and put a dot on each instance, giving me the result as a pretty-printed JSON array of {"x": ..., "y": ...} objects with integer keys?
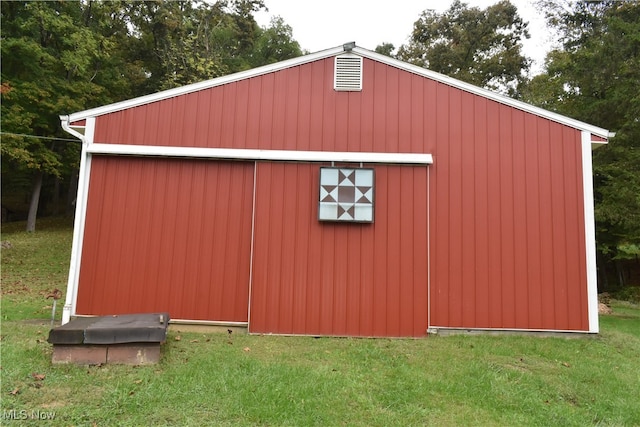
[{"x": 348, "y": 73}]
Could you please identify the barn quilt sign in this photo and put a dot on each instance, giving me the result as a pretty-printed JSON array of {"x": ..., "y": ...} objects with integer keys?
[{"x": 346, "y": 194}]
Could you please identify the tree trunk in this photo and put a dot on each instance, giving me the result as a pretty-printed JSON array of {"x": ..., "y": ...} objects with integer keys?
[
  {"x": 603, "y": 281},
  {"x": 620, "y": 272},
  {"x": 72, "y": 194},
  {"x": 56, "y": 196},
  {"x": 35, "y": 200}
]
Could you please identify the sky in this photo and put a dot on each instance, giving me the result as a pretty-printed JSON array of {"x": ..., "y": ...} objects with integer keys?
[{"x": 323, "y": 24}]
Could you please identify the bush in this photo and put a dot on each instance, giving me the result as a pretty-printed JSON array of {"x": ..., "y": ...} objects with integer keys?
[{"x": 628, "y": 293}]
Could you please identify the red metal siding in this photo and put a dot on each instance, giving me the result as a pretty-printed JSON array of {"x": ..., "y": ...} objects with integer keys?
[
  {"x": 167, "y": 235},
  {"x": 320, "y": 278},
  {"x": 508, "y": 220},
  {"x": 507, "y": 223},
  {"x": 293, "y": 109}
]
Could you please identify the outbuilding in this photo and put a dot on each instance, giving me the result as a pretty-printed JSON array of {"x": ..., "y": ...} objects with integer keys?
[{"x": 341, "y": 193}]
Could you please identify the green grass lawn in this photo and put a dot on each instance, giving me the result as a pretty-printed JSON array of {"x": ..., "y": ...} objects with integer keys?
[{"x": 216, "y": 379}]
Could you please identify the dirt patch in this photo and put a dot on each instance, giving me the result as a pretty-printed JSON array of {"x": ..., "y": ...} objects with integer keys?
[{"x": 604, "y": 308}]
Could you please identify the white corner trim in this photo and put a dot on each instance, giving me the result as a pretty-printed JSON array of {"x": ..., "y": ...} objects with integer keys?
[
  {"x": 265, "y": 155},
  {"x": 79, "y": 219},
  {"x": 590, "y": 233}
]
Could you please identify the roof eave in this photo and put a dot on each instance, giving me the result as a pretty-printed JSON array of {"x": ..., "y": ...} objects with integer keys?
[
  {"x": 467, "y": 87},
  {"x": 154, "y": 97},
  {"x": 194, "y": 87}
]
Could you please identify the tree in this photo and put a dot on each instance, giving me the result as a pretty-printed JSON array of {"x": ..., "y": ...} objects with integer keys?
[
  {"x": 174, "y": 43},
  {"x": 386, "y": 49},
  {"x": 482, "y": 47},
  {"x": 594, "y": 76},
  {"x": 65, "y": 56},
  {"x": 50, "y": 63},
  {"x": 183, "y": 42},
  {"x": 274, "y": 43}
]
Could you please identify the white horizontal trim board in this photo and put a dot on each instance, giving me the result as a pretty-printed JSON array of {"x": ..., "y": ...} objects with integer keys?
[{"x": 252, "y": 154}]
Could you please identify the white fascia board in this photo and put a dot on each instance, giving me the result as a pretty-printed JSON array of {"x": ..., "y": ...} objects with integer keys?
[
  {"x": 183, "y": 90},
  {"x": 603, "y": 133},
  {"x": 147, "y": 99},
  {"x": 266, "y": 155}
]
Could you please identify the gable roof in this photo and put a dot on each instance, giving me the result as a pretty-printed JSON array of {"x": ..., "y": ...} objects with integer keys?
[{"x": 351, "y": 48}]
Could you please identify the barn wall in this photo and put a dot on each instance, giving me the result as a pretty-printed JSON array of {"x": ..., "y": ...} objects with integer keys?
[
  {"x": 320, "y": 278},
  {"x": 167, "y": 235},
  {"x": 294, "y": 109},
  {"x": 507, "y": 220}
]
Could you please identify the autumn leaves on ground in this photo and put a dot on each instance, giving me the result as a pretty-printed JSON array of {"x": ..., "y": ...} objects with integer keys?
[{"x": 236, "y": 379}]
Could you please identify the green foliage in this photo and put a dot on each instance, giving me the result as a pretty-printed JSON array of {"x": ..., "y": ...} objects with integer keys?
[
  {"x": 386, "y": 49},
  {"x": 57, "y": 57},
  {"x": 65, "y": 56},
  {"x": 482, "y": 47},
  {"x": 630, "y": 294},
  {"x": 184, "y": 42},
  {"x": 274, "y": 43},
  {"x": 594, "y": 76}
]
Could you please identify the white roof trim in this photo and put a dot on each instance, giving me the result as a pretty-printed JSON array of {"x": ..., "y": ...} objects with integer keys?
[
  {"x": 604, "y": 133},
  {"x": 135, "y": 102},
  {"x": 268, "y": 155},
  {"x": 194, "y": 87}
]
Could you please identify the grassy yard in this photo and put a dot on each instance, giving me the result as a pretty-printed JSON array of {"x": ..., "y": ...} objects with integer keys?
[{"x": 216, "y": 379}]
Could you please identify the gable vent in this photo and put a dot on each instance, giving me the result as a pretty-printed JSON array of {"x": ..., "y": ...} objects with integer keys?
[{"x": 348, "y": 73}]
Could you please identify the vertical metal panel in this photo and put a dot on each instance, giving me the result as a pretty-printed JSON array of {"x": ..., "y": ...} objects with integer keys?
[
  {"x": 507, "y": 225},
  {"x": 439, "y": 298},
  {"x": 521, "y": 217},
  {"x": 574, "y": 224},
  {"x": 468, "y": 208},
  {"x": 545, "y": 218},
  {"x": 532, "y": 269},
  {"x": 479, "y": 280},
  {"x": 321, "y": 278},
  {"x": 507, "y": 218},
  {"x": 167, "y": 235},
  {"x": 534, "y": 206}
]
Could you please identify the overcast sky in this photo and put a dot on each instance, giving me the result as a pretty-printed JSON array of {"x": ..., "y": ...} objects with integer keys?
[{"x": 323, "y": 24}]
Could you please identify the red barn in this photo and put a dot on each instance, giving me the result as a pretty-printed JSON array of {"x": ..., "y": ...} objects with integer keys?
[{"x": 340, "y": 193}]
